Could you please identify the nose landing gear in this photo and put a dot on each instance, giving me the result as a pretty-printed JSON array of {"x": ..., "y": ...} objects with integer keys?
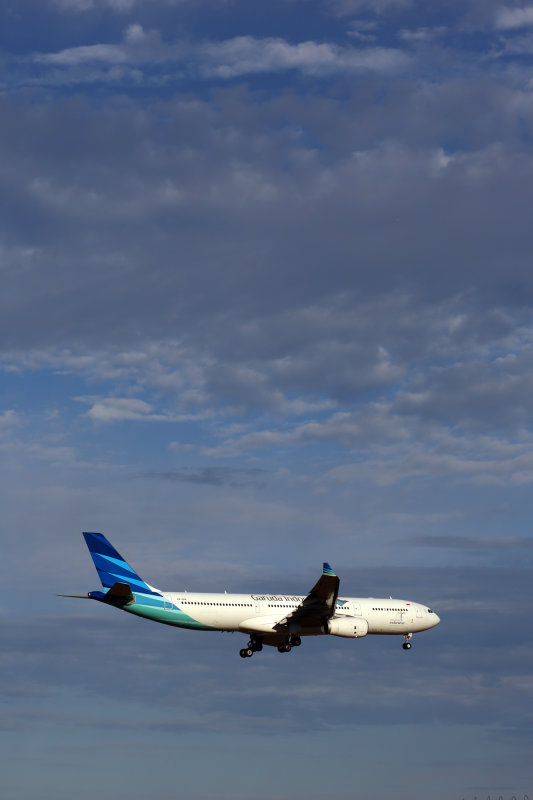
[{"x": 407, "y": 644}]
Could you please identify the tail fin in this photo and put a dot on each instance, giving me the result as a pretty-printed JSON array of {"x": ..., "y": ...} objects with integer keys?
[{"x": 111, "y": 567}]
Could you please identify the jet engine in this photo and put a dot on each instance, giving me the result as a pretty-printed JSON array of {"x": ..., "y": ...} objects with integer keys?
[{"x": 349, "y": 627}]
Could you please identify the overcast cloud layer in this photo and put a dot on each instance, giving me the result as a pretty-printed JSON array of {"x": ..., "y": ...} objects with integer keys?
[{"x": 266, "y": 300}]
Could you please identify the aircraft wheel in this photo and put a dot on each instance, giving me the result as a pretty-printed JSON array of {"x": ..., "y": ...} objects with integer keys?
[
  {"x": 249, "y": 652},
  {"x": 284, "y": 648},
  {"x": 295, "y": 640},
  {"x": 243, "y": 653},
  {"x": 406, "y": 645}
]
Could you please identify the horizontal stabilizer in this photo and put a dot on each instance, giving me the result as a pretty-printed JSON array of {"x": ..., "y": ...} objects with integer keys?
[
  {"x": 120, "y": 594},
  {"x": 80, "y": 596}
]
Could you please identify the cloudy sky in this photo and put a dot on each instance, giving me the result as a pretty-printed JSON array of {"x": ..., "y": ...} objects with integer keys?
[{"x": 267, "y": 300}]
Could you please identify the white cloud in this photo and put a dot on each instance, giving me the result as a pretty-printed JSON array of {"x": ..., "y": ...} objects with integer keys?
[
  {"x": 420, "y": 35},
  {"x": 138, "y": 46},
  {"x": 345, "y": 8},
  {"x": 349, "y": 428},
  {"x": 246, "y": 54},
  {"x": 512, "y": 18},
  {"x": 9, "y": 419},
  {"x": 483, "y": 461},
  {"x": 229, "y": 58},
  {"x": 17, "y": 454},
  {"x": 79, "y": 6},
  {"x": 135, "y": 33},
  {"x": 182, "y": 446},
  {"x": 121, "y": 5},
  {"x": 118, "y": 409},
  {"x": 75, "y": 5},
  {"x": 73, "y": 56}
]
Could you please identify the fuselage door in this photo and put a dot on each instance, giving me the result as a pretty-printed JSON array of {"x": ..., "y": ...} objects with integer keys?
[{"x": 167, "y": 604}]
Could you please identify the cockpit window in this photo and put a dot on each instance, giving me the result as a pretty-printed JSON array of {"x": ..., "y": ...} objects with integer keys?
[{"x": 430, "y": 611}]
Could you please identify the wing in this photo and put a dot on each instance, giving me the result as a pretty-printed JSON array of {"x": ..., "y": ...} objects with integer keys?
[{"x": 319, "y": 605}]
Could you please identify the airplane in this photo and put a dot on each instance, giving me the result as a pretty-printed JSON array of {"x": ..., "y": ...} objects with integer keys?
[{"x": 268, "y": 619}]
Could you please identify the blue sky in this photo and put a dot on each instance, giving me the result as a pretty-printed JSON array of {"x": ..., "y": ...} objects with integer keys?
[{"x": 266, "y": 301}]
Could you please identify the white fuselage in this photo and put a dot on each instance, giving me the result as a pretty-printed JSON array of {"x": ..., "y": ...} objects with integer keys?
[{"x": 256, "y": 612}]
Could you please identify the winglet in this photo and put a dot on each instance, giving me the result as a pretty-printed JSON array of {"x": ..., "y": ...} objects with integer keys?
[{"x": 327, "y": 570}]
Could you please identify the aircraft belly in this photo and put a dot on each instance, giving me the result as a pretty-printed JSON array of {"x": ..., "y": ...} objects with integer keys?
[
  {"x": 224, "y": 619},
  {"x": 265, "y": 624},
  {"x": 390, "y": 627}
]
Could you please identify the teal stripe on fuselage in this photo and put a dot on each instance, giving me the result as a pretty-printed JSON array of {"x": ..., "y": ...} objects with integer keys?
[{"x": 161, "y": 610}]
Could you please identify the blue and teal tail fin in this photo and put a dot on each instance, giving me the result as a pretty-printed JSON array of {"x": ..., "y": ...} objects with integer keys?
[{"x": 111, "y": 567}]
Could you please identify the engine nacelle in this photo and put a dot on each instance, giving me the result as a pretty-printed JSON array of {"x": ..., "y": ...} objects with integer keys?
[{"x": 349, "y": 627}]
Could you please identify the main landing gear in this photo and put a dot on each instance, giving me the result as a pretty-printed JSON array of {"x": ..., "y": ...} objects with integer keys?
[
  {"x": 407, "y": 644},
  {"x": 255, "y": 645},
  {"x": 293, "y": 641}
]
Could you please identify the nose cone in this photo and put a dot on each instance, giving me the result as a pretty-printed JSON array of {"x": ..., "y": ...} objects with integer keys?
[{"x": 436, "y": 619}]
